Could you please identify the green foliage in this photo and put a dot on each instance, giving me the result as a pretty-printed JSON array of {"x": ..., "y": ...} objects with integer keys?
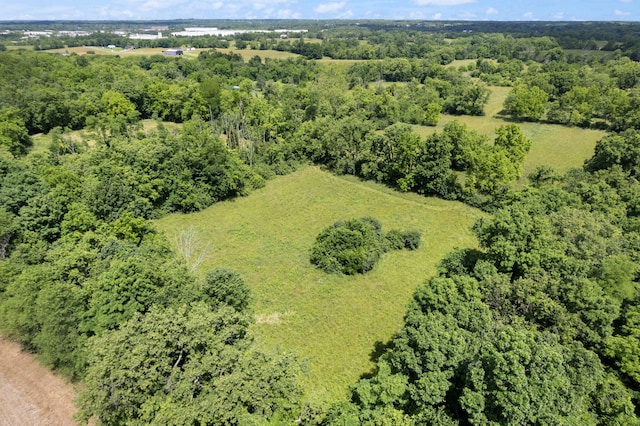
[
  {"x": 511, "y": 138},
  {"x": 60, "y": 343},
  {"x": 519, "y": 331},
  {"x": 526, "y": 103},
  {"x": 624, "y": 346},
  {"x": 621, "y": 149},
  {"x": 13, "y": 132},
  {"x": 126, "y": 288},
  {"x": 493, "y": 169},
  {"x": 397, "y": 240},
  {"x": 523, "y": 377},
  {"x": 335, "y": 313},
  {"x": 115, "y": 104},
  {"x": 187, "y": 365},
  {"x": 453, "y": 360},
  {"x": 354, "y": 246},
  {"x": 350, "y": 247},
  {"x": 411, "y": 239},
  {"x": 8, "y": 228},
  {"x": 226, "y": 287},
  {"x": 526, "y": 330}
]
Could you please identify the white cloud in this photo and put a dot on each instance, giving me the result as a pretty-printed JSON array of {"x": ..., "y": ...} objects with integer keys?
[
  {"x": 262, "y": 4},
  {"x": 160, "y": 4},
  {"x": 330, "y": 7},
  {"x": 618, "y": 12},
  {"x": 346, "y": 15},
  {"x": 437, "y": 16},
  {"x": 467, "y": 16},
  {"x": 528, "y": 15},
  {"x": 288, "y": 14},
  {"x": 559, "y": 15},
  {"x": 492, "y": 11},
  {"x": 442, "y": 2}
]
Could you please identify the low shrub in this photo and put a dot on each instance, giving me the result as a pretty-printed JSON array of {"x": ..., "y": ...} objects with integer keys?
[{"x": 354, "y": 246}]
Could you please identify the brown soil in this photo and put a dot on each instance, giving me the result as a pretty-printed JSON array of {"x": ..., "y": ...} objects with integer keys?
[{"x": 30, "y": 394}]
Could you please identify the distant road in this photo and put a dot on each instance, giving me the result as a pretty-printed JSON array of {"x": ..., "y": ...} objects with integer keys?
[{"x": 30, "y": 394}]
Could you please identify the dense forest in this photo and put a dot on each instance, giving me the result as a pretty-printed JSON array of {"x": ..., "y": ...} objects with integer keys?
[{"x": 538, "y": 324}]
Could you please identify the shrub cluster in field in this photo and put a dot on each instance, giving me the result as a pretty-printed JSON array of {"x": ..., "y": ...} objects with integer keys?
[{"x": 354, "y": 246}]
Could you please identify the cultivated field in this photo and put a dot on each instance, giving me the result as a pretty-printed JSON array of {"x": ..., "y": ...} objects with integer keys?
[
  {"x": 31, "y": 394},
  {"x": 334, "y": 322}
]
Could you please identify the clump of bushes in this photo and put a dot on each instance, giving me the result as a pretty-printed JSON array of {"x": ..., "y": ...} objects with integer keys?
[{"x": 355, "y": 245}]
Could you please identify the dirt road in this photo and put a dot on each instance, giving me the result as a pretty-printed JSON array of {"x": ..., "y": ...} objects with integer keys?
[{"x": 29, "y": 393}]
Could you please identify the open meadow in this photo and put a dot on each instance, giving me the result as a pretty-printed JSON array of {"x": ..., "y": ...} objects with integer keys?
[
  {"x": 148, "y": 51},
  {"x": 560, "y": 147},
  {"x": 337, "y": 323},
  {"x": 264, "y": 54},
  {"x": 334, "y": 322}
]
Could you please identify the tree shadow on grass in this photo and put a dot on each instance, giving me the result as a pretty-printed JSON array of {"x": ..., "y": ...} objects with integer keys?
[{"x": 379, "y": 348}]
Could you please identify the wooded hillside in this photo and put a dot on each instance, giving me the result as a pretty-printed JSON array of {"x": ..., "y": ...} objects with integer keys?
[{"x": 539, "y": 323}]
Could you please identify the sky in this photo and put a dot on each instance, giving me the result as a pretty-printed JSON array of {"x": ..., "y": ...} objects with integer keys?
[{"x": 476, "y": 10}]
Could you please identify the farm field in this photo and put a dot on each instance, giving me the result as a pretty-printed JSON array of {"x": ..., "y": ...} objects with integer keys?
[
  {"x": 31, "y": 394},
  {"x": 98, "y": 50},
  {"x": 333, "y": 322},
  {"x": 264, "y": 54},
  {"x": 148, "y": 51}
]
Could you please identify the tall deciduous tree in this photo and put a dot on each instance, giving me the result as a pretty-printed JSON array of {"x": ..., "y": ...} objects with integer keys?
[
  {"x": 13, "y": 133},
  {"x": 186, "y": 365},
  {"x": 526, "y": 103}
]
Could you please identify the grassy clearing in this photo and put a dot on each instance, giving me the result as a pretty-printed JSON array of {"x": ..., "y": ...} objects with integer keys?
[
  {"x": 98, "y": 50},
  {"x": 334, "y": 322},
  {"x": 191, "y": 54},
  {"x": 264, "y": 54},
  {"x": 560, "y": 147},
  {"x": 344, "y": 62},
  {"x": 41, "y": 141},
  {"x": 457, "y": 63},
  {"x": 18, "y": 47}
]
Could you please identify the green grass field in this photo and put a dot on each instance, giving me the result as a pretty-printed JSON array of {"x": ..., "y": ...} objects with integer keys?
[
  {"x": 145, "y": 51},
  {"x": 264, "y": 54},
  {"x": 148, "y": 51},
  {"x": 333, "y": 322},
  {"x": 560, "y": 147}
]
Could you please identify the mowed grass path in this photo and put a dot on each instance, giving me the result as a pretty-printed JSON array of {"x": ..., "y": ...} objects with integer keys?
[
  {"x": 560, "y": 147},
  {"x": 333, "y": 322}
]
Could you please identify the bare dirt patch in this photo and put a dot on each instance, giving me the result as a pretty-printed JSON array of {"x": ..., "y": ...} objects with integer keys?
[
  {"x": 274, "y": 318},
  {"x": 30, "y": 394}
]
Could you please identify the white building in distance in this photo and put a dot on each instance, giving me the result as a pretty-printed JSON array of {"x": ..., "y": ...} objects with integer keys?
[
  {"x": 202, "y": 31},
  {"x": 146, "y": 36}
]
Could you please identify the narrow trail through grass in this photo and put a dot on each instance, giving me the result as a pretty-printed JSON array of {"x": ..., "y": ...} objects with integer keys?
[{"x": 333, "y": 322}]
